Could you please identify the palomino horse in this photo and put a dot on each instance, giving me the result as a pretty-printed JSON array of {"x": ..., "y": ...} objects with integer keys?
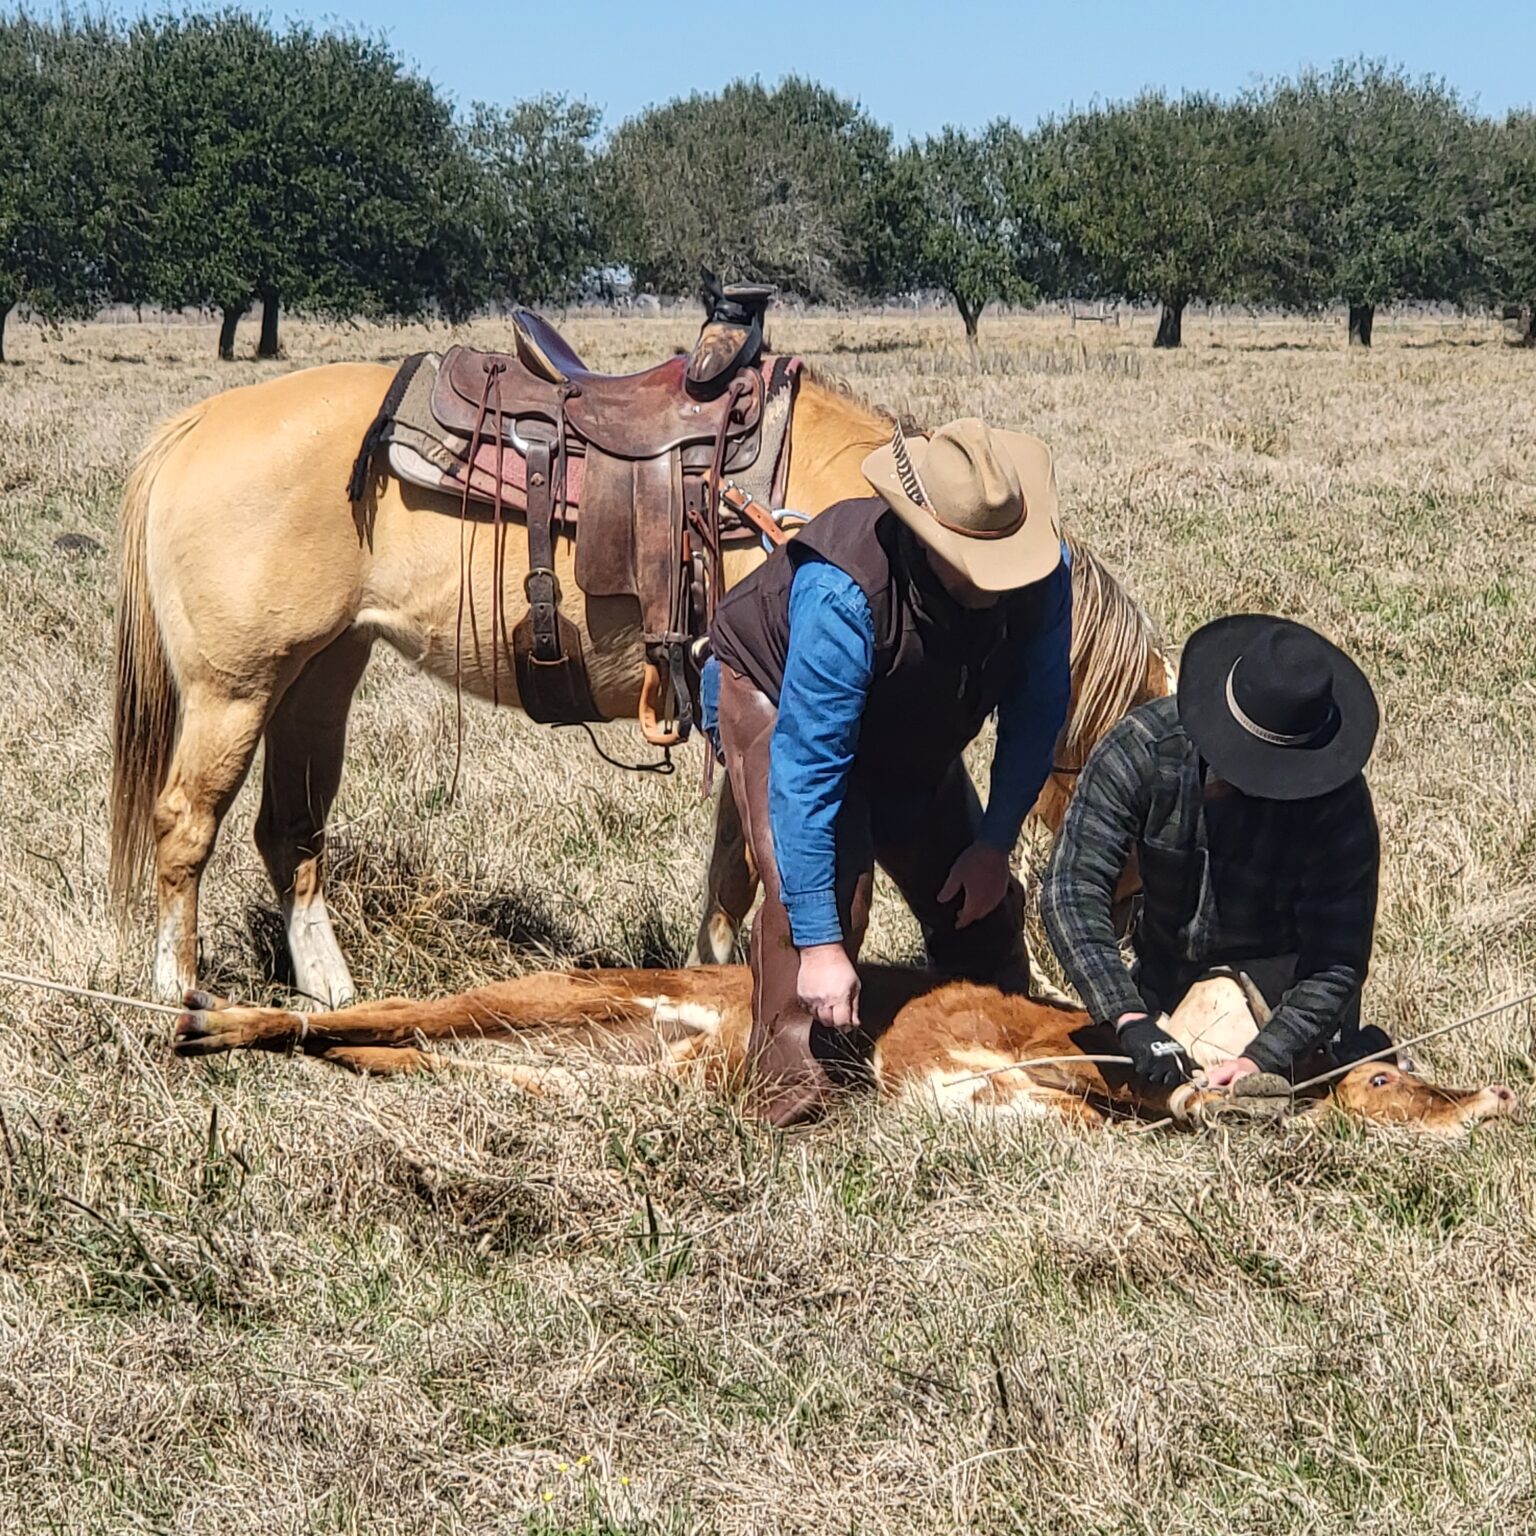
[
  {"x": 953, "y": 1045},
  {"x": 252, "y": 592}
]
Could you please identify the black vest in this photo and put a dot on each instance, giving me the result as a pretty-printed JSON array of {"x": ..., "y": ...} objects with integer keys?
[{"x": 940, "y": 669}]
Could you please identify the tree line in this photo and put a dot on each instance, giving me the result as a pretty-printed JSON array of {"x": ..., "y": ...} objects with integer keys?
[{"x": 214, "y": 161}]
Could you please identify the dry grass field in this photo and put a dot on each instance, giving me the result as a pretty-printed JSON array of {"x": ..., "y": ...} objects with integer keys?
[{"x": 258, "y": 1296}]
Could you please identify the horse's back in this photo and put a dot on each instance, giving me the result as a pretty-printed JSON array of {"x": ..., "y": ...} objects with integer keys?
[{"x": 284, "y": 427}]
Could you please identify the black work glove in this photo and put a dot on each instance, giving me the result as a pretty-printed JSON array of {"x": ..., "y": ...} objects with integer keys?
[{"x": 1156, "y": 1057}]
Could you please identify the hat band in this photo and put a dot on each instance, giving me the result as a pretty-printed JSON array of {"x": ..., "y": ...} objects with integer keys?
[
  {"x": 1261, "y": 733},
  {"x": 978, "y": 533},
  {"x": 917, "y": 493}
]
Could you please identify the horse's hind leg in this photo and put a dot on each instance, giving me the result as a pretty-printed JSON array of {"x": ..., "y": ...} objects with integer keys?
[
  {"x": 730, "y": 885},
  {"x": 306, "y": 738},
  {"x": 213, "y": 754}
]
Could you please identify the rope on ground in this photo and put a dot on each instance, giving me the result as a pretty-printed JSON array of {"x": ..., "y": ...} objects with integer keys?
[{"x": 100, "y": 997}]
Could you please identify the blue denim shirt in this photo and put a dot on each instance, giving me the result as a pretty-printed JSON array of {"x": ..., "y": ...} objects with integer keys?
[{"x": 827, "y": 677}]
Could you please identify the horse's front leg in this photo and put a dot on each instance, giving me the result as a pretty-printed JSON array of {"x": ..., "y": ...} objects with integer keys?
[{"x": 730, "y": 885}]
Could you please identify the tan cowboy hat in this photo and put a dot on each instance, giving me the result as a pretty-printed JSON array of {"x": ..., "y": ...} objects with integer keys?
[{"x": 983, "y": 499}]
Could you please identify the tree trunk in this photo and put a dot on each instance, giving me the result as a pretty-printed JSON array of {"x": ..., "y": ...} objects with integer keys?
[
  {"x": 1170, "y": 324},
  {"x": 231, "y": 318},
  {"x": 267, "y": 345},
  {"x": 1361, "y": 318},
  {"x": 6, "y": 306},
  {"x": 971, "y": 316}
]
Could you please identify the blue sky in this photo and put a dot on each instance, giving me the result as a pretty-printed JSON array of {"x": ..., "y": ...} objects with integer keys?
[{"x": 918, "y": 66}]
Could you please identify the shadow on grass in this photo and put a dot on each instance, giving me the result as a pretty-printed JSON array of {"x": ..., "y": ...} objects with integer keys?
[{"x": 404, "y": 926}]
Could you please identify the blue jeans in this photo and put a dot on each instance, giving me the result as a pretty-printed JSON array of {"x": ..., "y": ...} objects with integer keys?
[{"x": 709, "y": 705}]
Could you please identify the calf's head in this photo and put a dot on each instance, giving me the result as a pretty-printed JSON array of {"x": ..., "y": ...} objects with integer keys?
[{"x": 1385, "y": 1094}]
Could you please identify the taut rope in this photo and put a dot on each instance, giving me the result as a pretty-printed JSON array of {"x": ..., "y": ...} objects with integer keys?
[
  {"x": 1429, "y": 1034},
  {"x": 100, "y": 997}
]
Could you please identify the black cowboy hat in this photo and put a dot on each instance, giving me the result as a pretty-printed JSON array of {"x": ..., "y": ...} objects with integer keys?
[{"x": 1277, "y": 711}]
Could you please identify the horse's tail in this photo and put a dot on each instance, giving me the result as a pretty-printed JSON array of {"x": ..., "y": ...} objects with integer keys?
[{"x": 146, "y": 705}]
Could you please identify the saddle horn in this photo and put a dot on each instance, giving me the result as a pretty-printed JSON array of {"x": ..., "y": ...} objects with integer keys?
[{"x": 732, "y": 335}]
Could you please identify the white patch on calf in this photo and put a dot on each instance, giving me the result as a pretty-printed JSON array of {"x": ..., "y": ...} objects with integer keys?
[
  {"x": 980, "y": 1081},
  {"x": 695, "y": 1016}
]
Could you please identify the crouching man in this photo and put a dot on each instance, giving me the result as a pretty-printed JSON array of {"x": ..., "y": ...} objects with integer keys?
[
  {"x": 850, "y": 673},
  {"x": 1244, "y": 802}
]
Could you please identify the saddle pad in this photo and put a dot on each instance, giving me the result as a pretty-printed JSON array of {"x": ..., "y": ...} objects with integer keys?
[{"x": 421, "y": 452}]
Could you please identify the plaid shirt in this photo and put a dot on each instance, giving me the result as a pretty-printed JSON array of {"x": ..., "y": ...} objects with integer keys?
[{"x": 1223, "y": 882}]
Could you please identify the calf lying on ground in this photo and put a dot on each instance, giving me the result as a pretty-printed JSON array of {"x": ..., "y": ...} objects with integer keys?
[{"x": 952, "y": 1044}]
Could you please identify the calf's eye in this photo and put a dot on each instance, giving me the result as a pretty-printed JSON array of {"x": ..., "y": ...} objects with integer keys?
[{"x": 1380, "y": 1080}]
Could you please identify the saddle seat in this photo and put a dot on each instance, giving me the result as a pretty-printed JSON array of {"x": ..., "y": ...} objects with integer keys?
[
  {"x": 543, "y": 386},
  {"x": 730, "y": 340}
]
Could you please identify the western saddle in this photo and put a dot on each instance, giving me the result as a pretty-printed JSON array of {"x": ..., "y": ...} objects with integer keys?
[{"x": 635, "y": 465}]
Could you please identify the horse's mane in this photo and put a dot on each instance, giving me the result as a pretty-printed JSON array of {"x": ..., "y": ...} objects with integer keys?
[
  {"x": 879, "y": 418},
  {"x": 1113, "y": 641},
  {"x": 1114, "y": 646}
]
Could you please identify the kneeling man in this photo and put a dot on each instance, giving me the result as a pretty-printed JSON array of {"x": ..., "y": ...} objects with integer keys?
[{"x": 1243, "y": 799}]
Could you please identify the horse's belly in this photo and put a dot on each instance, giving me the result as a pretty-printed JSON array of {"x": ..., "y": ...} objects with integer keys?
[{"x": 417, "y": 600}]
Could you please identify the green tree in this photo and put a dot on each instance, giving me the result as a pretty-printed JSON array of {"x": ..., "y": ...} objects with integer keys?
[
  {"x": 1507, "y": 236},
  {"x": 960, "y": 205},
  {"x": 779, "y": 186},
  {"x": 1157, "y": 200},
  {"x": 1375, "y": 183},
  {"x": 306, "y": 170},
  {"x": 71, "y": 180},
  {"x": 539, "y": 213}
]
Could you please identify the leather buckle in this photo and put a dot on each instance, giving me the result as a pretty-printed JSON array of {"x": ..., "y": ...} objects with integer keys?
[{"x": 548, "y": 586}]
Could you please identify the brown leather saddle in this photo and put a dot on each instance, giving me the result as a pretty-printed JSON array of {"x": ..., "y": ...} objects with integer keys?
[{"x": 635, "y": 465}]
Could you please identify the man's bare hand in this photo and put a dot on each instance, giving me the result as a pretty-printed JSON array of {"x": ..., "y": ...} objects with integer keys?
[
  {"x": 1226, "y": 1073},
  {"x": 829, "y": 986},
  {"x": 981, "y": 872}
]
